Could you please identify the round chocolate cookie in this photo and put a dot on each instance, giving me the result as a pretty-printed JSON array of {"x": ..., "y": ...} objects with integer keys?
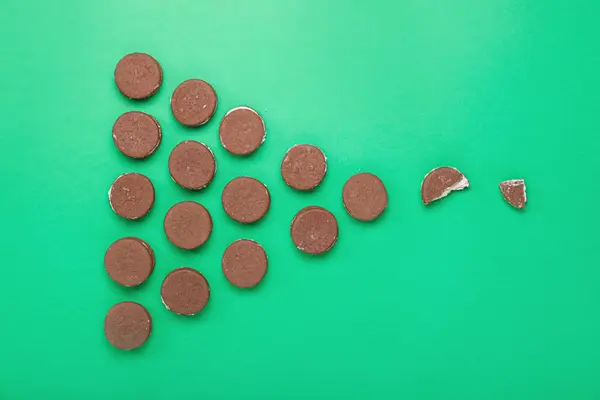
[
  {"x": 303, "y": 167},
  {"x": 138, "y": 76},
  {"x": 131, "y": 195},
  {"x": 314, "y": 230},
  {"x": 136, "y": 134},
  {"x": 242, "y": 131},
  {"x": 244, "y": 263},
  {"x": 364, "y": 196},
  {"x": 127, "y": 325},
  {"x": 185, "y": 291},
  {"x": 188, "y": 225},
  {"x": 246, "y": 200},
  {"x": 194, "y": 102},
  {"x": 192, "y": 165},
  {"x": 129, "y": 261}
]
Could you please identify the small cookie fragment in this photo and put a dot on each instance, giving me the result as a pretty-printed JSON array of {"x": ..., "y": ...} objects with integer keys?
[
  {"x": 188, "y": 225},
  {"x": 185, "y": 291},
  {"x": 364, "y": 196},
  {"x": 440, "y": 182},
  {"x": 314, "y": 230},
  {"x": 138, "y": 76},
  {"x": 244, "y": 263},
  {"x": 131, "y": 195},
  {"x": 192, "y": 165},
  {"x": 194, "y": 102},
  {"x": 303, "y": 167},
  {"x": 129, "y": 261},
  {"x": 136, "y": 134},
  {"x": 242, "y": 131},
  {"x": 127, "y": 325},
  {"x": 514, "y": 192},
  {"x": 246, "y": 199}
]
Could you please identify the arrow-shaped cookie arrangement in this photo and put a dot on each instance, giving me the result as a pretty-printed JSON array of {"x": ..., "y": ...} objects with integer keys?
[{"x": 188, "y": 225}]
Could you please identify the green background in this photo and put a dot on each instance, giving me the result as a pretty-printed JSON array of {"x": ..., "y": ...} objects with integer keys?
[{"x": 466, "y": 299}]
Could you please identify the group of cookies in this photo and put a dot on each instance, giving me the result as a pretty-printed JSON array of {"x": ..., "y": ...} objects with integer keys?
[
  {"x": 129, "y": 261},
  {"x": 188, "y": 225},
  {"x": 442, "y": 181}
]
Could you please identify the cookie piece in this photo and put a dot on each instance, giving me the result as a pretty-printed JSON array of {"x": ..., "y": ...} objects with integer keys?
[
  {"x": 138, "y": 76},
  {"x": 188, "y": 225},
  {"x": 244, "y": 263},
  {"x": 245, "y": 199},
  {"x": 194, "y": 102},
  {"x": 364, "y": 196},
  {"x": 242, "y": 131},
  {"x": 136, "y": 134},
  {"x": 303, "y": 167},
  {"x": 440, "y": 182},
  {"x": 192, "y": 165},
  {"x": 185, "y": 291},
  {"x": 129, "y": 261},
  {"x": 314, "y": 230},
  {"x": 131, "y": 195},
  {"x": 514, "y": 192},
  {"x": 127, "y": 325}
]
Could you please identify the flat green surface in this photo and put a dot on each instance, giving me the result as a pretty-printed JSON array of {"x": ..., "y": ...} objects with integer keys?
[{"x": 467, "y": 299}]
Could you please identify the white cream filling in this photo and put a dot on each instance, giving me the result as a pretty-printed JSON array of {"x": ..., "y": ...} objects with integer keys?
[{"x": 460, "y": 185}]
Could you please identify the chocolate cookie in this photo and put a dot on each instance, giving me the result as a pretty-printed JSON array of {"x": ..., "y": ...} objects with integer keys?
[
  {"x": 138, "y": 76},
  {"x": 194, "y": 102},
  {"x": 440, "y": 182},
  {"x": 242, "y": 131},
  {"x": 127, "y": 325},
  {"x": 188, "y": 225},
  {"x": 192, "y": 165},
  {"x": 129, "y": 261},
  {"x": 246, "y": 200},
  {"x": 244, "y": 263},
  {"x": 514, "y": 192},
  {"x": 314, "y": 230},
  {"x": 303, "y": 167},
  {"x": 364, "y": 196},
  {"x": 136, "y": 134},
  {"x": 131, "y": 195},
  {"x": 185, "y": 291}
]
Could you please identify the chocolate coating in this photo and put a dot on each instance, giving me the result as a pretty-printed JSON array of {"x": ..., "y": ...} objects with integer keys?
[
  {"x": 136, "y": 134},
  {"x": 185, "y": 291},
  {"x": 127, "y": 325},
  {"x": 188, "y": 225},
  {"x": 192, "y": 165},
  {"x": 440, "y": 182},
  {"x": 244, "y": 263},
  {"x": 129, "y": 261},
  {"x": 364, "y": 196},
  {"x": 314, "y": 230},
  {"x": 194, "y": 102},
  {"x": 138, "y": 76},
  {"x": 513, "y": 192},
  {"x": 303, "y": 167},
  {"x": 245, "y": 199},
  {"x": 242, "y": 131},
  {"x": 131, "y": 195}
]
